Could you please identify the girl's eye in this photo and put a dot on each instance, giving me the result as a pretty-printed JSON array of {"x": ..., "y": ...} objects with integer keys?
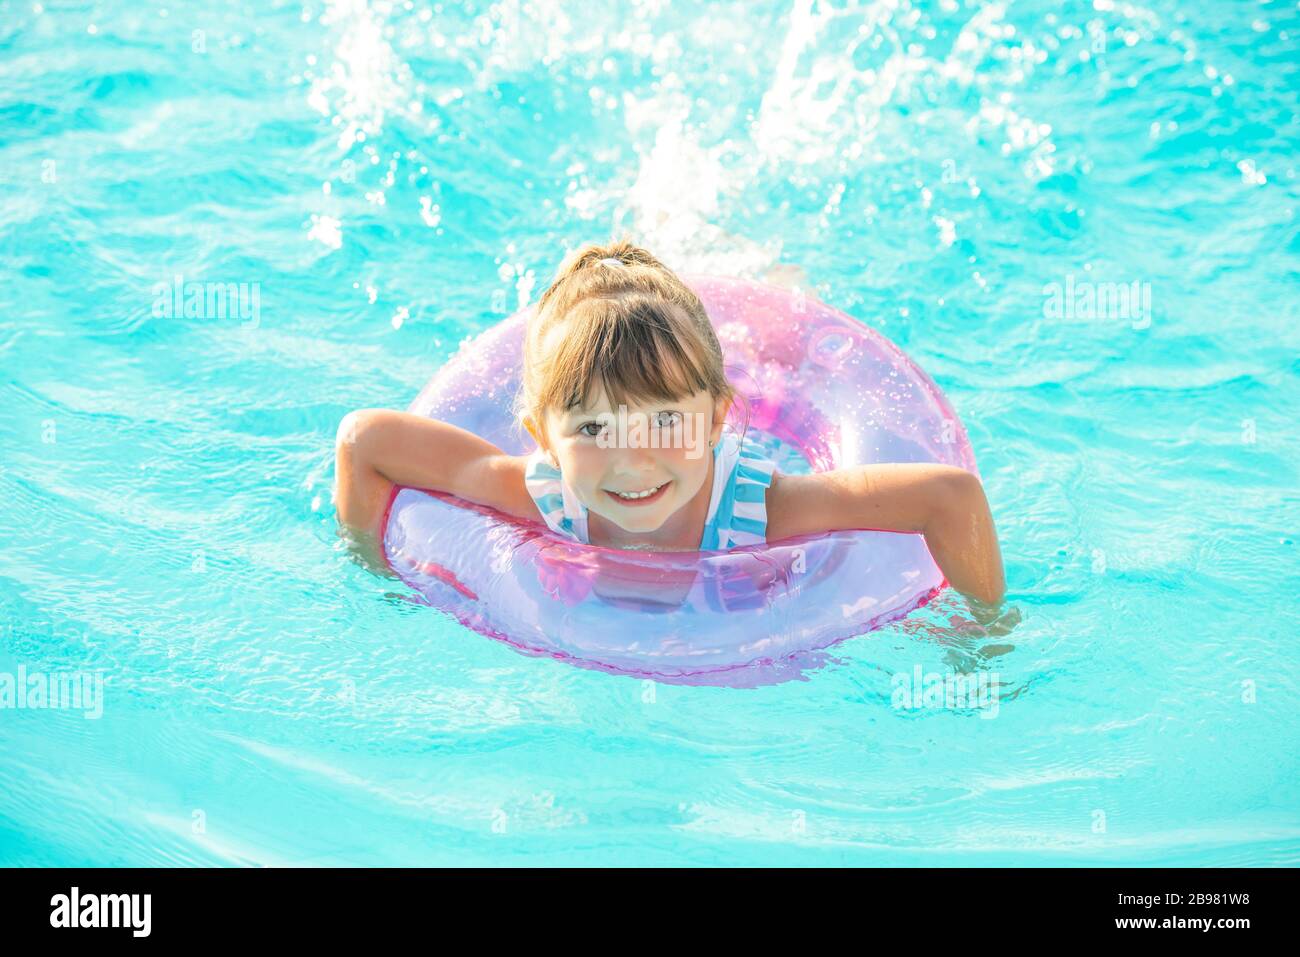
[{"x": 659, "y": 420}]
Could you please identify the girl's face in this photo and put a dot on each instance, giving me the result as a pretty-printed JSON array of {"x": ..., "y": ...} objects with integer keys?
[{"x": 637, "y": 465}]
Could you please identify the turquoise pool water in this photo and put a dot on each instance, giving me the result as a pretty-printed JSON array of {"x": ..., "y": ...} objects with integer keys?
[{"x": 983, "y": 184}]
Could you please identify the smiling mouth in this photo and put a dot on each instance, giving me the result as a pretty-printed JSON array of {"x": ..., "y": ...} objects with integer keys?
[{"x": 643, "y": 497}]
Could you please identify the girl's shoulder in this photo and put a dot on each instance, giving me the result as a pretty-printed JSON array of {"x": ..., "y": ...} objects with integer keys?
[
  {"x": 739, "y": 516},
  {"x": 537, "y": 467},
  {"x": 754, "y": 464},
  {"x": 551, "y": 502},
  {"x": 543, "y": 483}
]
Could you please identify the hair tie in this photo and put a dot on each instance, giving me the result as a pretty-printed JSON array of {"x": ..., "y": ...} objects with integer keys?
[{"x": 611, "y": 260}]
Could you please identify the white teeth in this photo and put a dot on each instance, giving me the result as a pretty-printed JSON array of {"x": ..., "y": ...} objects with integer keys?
[{"x": 645, "y": 494}]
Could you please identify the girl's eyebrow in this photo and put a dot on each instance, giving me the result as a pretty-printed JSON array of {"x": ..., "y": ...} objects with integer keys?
[
  {"x": 591, "y": 416},
  {"x": 656, "y": 405}
]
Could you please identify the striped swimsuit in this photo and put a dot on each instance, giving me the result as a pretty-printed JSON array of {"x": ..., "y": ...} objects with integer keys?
[{"x": 737, "y": 507}]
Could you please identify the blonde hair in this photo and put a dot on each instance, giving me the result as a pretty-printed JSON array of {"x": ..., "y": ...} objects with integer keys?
[{"x": 629, "y": 324}]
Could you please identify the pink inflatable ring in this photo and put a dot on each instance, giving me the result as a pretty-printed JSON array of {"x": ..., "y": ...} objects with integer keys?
[{"x": 817, "y": 381}]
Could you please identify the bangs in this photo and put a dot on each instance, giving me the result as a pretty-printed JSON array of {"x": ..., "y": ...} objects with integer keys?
[{"x": 632, "y": 347}]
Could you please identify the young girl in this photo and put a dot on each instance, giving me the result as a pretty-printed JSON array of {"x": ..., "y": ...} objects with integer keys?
[{"x": 619, "y": 340}]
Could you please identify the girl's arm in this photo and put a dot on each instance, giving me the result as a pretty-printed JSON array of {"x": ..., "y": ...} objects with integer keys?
[
  {"x": 378, "y": 449},
  {"x": 944, "y": 503}
]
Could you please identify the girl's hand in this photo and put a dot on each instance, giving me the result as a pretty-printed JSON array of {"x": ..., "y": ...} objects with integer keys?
[{"x": 995, "y": 619}]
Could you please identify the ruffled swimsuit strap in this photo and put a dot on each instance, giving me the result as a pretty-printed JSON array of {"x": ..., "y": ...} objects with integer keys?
[
  {"x": 738, "y": 514},
  {"x": 561, "y": 511}
]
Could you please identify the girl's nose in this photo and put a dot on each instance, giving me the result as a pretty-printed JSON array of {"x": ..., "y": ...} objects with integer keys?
[{"x": 635, "y": 461}]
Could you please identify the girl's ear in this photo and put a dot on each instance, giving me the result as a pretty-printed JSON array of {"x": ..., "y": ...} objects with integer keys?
[{"x": 720, "y": 409}]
